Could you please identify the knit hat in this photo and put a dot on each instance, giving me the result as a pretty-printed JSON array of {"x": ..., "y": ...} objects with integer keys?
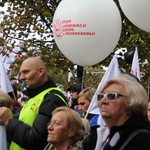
[
  {"x": 4, "y": 97},
  {"x": 75, "y": 87}
]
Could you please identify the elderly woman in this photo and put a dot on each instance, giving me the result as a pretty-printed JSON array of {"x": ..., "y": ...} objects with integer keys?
[
  {"x": 66, "y": 130},
  {"x": 123, "y": 105}
]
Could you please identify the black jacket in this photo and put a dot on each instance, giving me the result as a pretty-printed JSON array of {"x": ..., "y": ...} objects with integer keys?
[
  {"x": 90, "y": 142},
  {"x": 139, "y": 142},
  {"x": 35, "y": 137}
]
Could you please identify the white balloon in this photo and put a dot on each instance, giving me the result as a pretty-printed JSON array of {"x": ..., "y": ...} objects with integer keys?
[
  {"x": 87, "y": 31},
  {"x": 138, "y": 12}
]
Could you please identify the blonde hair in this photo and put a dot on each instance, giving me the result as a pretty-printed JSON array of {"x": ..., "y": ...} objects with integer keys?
[
  {"x": 137, "y": 98},
  {"x": 73, "y": 121},
  {"x": 5, "y": 100},
  {"x": 88, "y": 93}
]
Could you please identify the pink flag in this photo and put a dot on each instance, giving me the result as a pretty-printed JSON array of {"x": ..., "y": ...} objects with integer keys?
[
  {"x": 5, "y": 84},
  {"x": 135, "y": 69}
]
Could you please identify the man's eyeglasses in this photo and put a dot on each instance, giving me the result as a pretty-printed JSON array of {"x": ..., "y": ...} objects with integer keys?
[{"x": 111, "y": 96}]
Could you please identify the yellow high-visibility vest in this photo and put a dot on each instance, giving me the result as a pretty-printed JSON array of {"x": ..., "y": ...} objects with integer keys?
[{"x": 30, "y": 111}]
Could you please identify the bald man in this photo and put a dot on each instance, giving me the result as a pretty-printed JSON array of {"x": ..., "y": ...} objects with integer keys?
[{"x": 29, "y": 131}]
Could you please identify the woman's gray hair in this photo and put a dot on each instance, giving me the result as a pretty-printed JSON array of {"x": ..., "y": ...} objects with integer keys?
[{"x": 137, "y": 98}]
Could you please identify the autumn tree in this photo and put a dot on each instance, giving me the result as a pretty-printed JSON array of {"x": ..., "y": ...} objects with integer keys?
[{"x": 28, "y": 24}]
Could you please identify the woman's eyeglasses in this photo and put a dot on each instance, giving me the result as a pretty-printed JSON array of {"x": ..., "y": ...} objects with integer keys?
[
  {"x": 111, "y": 96},
  {"x": 54, "y": 124}
]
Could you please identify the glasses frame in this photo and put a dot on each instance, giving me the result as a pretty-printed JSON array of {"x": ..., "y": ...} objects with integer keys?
[
  {"x": 54, "y": 124},
  {"x": 105, "y": 95}
]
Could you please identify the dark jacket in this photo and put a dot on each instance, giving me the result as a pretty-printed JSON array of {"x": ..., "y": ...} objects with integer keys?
[
  {"x": 90, "y": 142},
  {"x": 35, "y": 137},
  {"x": 139, "y": 142}
]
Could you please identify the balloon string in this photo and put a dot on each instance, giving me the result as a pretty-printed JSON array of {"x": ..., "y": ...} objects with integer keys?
[
  {"x": 83, "y": 79},
  {"x": 83, "y": 74}
]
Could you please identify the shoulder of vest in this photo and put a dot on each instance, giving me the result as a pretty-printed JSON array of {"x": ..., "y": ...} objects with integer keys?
[{"x": 55, "y": 92}]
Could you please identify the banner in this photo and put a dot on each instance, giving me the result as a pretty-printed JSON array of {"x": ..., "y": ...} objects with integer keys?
[
  {"x": 135, "y": 69},
  {"x": 5, "y": 84}
]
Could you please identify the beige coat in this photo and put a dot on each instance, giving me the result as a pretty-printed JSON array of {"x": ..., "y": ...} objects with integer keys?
[{"x": 76, "y": 146}]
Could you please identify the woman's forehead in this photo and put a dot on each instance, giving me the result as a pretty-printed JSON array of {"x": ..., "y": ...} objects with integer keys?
[
  {"x": 115, "y": 86},
  {"x": 61, "y": 116}
]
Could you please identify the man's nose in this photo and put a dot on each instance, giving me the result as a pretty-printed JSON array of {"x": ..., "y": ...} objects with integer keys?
[{"x": 21, "y": 77}]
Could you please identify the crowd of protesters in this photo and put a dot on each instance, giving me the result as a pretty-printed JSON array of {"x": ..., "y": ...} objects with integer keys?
[{"x": 44, "y": 119}]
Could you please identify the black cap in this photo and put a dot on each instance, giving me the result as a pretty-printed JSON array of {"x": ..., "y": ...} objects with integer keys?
[{"x": 76, "y": 87}]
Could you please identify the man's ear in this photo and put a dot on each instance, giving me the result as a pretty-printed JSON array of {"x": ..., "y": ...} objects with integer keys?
[{"x": 41, "y": 71}]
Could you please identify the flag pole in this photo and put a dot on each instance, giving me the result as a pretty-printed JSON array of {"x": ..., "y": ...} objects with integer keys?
[
  {"x": 14, "y": 96},
  {"x": 83, "y": 78},
  {"x": 86, "y": 115}
]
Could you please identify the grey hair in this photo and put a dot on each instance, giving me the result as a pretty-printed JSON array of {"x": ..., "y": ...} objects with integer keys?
[{"x": 137, "y": 98}]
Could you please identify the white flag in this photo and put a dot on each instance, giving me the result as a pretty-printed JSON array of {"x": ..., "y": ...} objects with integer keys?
[
  {"x": 112, "y": 71},
  {"x": 70, "y": 75},
  {"x": 135, "y": 69},
  {"x": 5, "y": 84}
]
